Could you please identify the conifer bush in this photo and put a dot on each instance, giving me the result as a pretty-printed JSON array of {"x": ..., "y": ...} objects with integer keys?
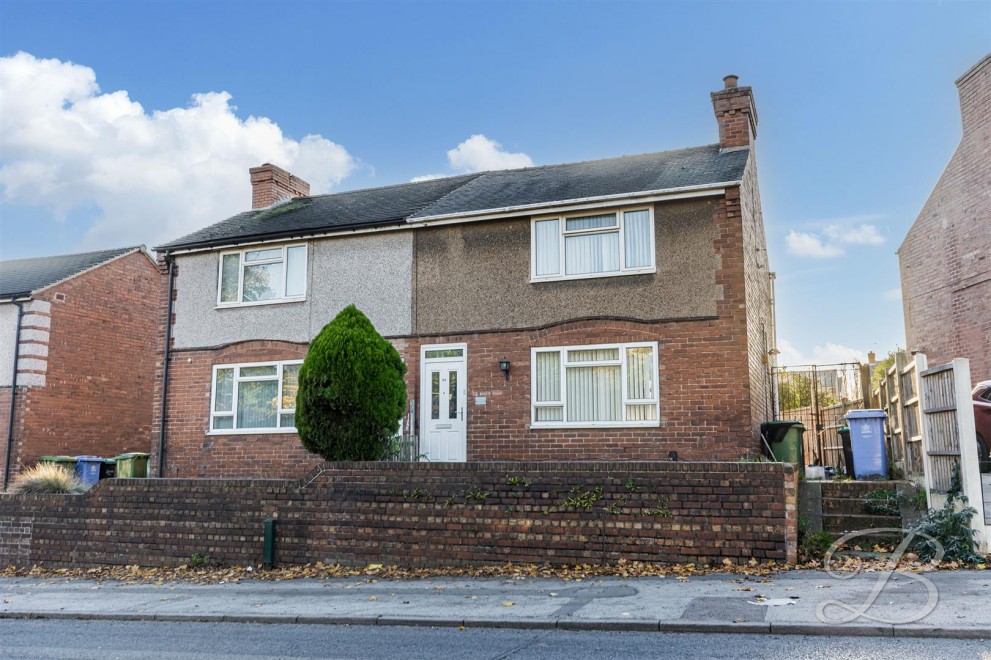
[{"x": 351, "y": 391}]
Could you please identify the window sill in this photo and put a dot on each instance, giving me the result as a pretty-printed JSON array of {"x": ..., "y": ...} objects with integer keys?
[
  {"x": 280, "y": 301},
  {"x": 593, "y": 425},
  {"x": 252, "y": 432},
  {"x": 564, "y": 278}
]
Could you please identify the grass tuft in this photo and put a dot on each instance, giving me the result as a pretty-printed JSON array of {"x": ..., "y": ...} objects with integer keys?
[{"x": 47, "y": 478}]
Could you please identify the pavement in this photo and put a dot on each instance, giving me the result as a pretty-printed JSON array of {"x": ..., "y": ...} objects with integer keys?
[{"x": 954, "y": 604}]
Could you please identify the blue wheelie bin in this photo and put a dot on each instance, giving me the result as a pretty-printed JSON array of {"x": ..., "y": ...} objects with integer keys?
[
  {"x": 870, "y": 460},
  {"x": 88, "y": 469}
]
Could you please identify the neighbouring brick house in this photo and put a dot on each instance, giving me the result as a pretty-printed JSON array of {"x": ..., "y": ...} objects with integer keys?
[
  {"x": 945, "y": 259},
  {"x": 617, "y": 309},
  {"x": 77, "y": 354}
]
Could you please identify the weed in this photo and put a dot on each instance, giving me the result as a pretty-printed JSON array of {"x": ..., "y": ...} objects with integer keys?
[
  {"x": 583, "y": 498},
  {"x": 520, "y": 482},
  {"x": 812, "y": 546},
  {"x": 631, "y": 486},
  {"x": 613, "y": 508},
  {"x": 205, "y": 561},
  {"x": 881, "y": 502},
  {"x": 478, "y": 494},
  {"x": 449, "y": 502},
  {"x": 47, "y": 478},
  {"x": 919, "y": 500},
  {"x": 417, "y": 493},
  {"x": 661, "y": 510}
]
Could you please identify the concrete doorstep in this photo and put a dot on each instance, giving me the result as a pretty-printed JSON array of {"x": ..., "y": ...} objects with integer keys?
[{"x": 944, "y": 604}]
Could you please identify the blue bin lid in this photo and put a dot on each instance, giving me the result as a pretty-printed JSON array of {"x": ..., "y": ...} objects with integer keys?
[
  {"x": 865, "y": 414},
  {"x": 89, "y": 458}
]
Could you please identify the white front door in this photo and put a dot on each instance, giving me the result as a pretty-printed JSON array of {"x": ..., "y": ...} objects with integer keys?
[{"x": 444, "y": 394}]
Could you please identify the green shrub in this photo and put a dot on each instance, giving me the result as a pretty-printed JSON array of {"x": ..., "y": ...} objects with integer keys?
[
  {"x": 47, "y": 478},
  {"x": 950, "y": 529},
  {"x": 351, "y": 391}
]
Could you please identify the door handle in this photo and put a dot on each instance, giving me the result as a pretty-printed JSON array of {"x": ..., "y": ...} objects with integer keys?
[{"x": 461, "y": 413}]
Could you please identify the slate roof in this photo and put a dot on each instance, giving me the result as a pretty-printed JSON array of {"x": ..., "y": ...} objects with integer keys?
[
  {"x": 19, "y": 276},
  {"x": 475, "y": 193}
]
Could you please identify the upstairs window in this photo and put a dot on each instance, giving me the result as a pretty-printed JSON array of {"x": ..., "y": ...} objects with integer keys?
[
  {"x": 592, "y": 245},
  {"x": 262, "y": 275},
  {"x": 254, "y": 398}
]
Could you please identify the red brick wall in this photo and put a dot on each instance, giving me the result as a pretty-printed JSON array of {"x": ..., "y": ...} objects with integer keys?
[
  {"x": 420, "y": 515},
  {"x": 97, "y": 398},
  {"x": 760, "y": 325},
  {"x": 191, "y": 452},
  {"x": 945, "y": 259}
]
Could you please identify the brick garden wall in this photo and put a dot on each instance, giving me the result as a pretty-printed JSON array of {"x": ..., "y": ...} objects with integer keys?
[{"x": 420, "y": 515}]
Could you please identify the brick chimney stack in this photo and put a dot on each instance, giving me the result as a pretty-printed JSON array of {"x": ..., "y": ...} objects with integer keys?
[
  {"x": 736, "y": 114},
  {"x": 269, "y": 184}
]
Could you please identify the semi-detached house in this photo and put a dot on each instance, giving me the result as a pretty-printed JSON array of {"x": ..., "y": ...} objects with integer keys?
[{"x": 617, "y": 309}]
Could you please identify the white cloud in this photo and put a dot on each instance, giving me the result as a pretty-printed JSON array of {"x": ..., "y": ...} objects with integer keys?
[
  {"x": 803, "y": 244},
  {"x": 480, "y": 154},
  {"x": 153, "y": 175},
  {"x": 829, "y": 354},
  {"x": 864, "y": 234}
]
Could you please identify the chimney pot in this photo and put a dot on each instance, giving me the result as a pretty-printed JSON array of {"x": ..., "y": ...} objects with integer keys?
[{"x": 735, "y": 114}]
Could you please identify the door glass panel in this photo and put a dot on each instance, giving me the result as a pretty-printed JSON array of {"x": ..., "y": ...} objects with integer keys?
[
  {"x": 444, "y": 353},
  {"x": 452, "y": 395},
  {"x": 435, "y": 395}
]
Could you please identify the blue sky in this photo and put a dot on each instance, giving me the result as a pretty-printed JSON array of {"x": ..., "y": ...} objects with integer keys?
[{"x": 102, "y": 142}]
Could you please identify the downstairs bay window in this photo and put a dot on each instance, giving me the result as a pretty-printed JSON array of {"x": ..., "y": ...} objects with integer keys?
[
  {"x": 254, "y": 398},
  {"x": 609, "y": 385}
]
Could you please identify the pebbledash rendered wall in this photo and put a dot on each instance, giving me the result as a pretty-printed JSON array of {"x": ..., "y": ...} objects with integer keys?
[{"x": 420, "y": 515}]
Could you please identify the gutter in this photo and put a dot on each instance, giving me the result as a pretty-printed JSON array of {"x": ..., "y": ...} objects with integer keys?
[
  {"x": 13, "y": 386},
  {"x": 165, "y": 367}
]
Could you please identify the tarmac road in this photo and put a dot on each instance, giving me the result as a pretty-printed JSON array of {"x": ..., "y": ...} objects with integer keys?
[{"x": 146, "y": 640}]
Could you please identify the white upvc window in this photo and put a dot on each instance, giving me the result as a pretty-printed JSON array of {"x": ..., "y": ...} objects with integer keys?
[
  {"x": 262, "y": 275},
  {"x": 606, "y": 385},
  {"x": 601, "y": 244},
  {"x": 257, "y": 397}
]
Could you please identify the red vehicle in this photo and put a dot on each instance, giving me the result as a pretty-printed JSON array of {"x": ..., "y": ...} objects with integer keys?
[{"x": 982, "y": 422}]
